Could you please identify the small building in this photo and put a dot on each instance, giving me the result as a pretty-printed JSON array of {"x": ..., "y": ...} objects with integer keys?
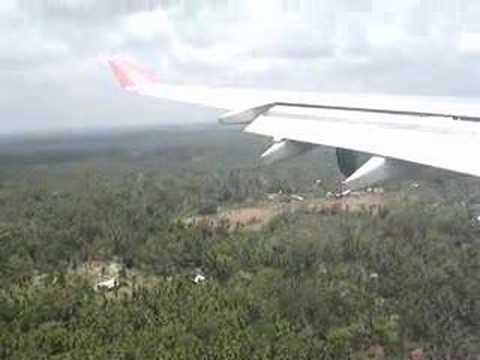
[
  {"x": 297, "y": 197},
  {"x": 199, "y": 279},
  {"x": 108, "y": 285}
]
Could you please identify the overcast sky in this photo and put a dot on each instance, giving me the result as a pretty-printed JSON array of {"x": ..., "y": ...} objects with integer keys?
[{"x": 52, "y": 53}]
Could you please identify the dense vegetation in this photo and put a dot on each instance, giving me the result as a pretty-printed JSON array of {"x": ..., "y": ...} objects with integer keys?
[{"x": 333, "y": 285}]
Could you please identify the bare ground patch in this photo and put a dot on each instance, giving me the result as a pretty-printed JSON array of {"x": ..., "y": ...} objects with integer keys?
[{"x": 254, "y": 218}]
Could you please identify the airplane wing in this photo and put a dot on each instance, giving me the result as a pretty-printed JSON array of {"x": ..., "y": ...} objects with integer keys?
[{"x": 444, "y": 134}]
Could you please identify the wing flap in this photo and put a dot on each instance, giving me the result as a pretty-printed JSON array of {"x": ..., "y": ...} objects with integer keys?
[{"x": 433, "y": 141}]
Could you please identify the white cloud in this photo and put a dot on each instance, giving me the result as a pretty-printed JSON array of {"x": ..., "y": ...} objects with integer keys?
[
  {"x": 147, "y": 24},
  {"x": 7, "y": 6},
  {"x": 391, "y": 46},
  {"x": 469, "y": 43}
]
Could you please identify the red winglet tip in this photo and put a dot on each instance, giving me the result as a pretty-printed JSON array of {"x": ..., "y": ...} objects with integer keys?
[{"x": 121, "y": 75}]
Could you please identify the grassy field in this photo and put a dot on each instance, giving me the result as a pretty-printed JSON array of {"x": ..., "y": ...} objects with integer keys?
[
  {"x": 162, "y": 152},
  {"x": 374, "y": 276}
]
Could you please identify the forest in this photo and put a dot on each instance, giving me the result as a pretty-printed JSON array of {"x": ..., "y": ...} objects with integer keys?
[{"x": 321, "y": 279}]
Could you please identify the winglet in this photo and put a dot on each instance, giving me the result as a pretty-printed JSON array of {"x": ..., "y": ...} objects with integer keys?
[{"x": 131, "y": 76}]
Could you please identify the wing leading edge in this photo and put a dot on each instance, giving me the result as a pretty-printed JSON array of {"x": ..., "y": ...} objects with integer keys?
[{"x": 444, "y": 133}]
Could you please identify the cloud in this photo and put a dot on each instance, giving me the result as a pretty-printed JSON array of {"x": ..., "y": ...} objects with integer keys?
[
  {"x": 147, "y": 24},
  {"x": 56, "y": 50},
  {"x": 470, "y": 43}
]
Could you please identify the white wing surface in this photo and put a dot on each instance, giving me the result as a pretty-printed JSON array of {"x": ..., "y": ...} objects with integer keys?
[{"x": 440, "y": 142}]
